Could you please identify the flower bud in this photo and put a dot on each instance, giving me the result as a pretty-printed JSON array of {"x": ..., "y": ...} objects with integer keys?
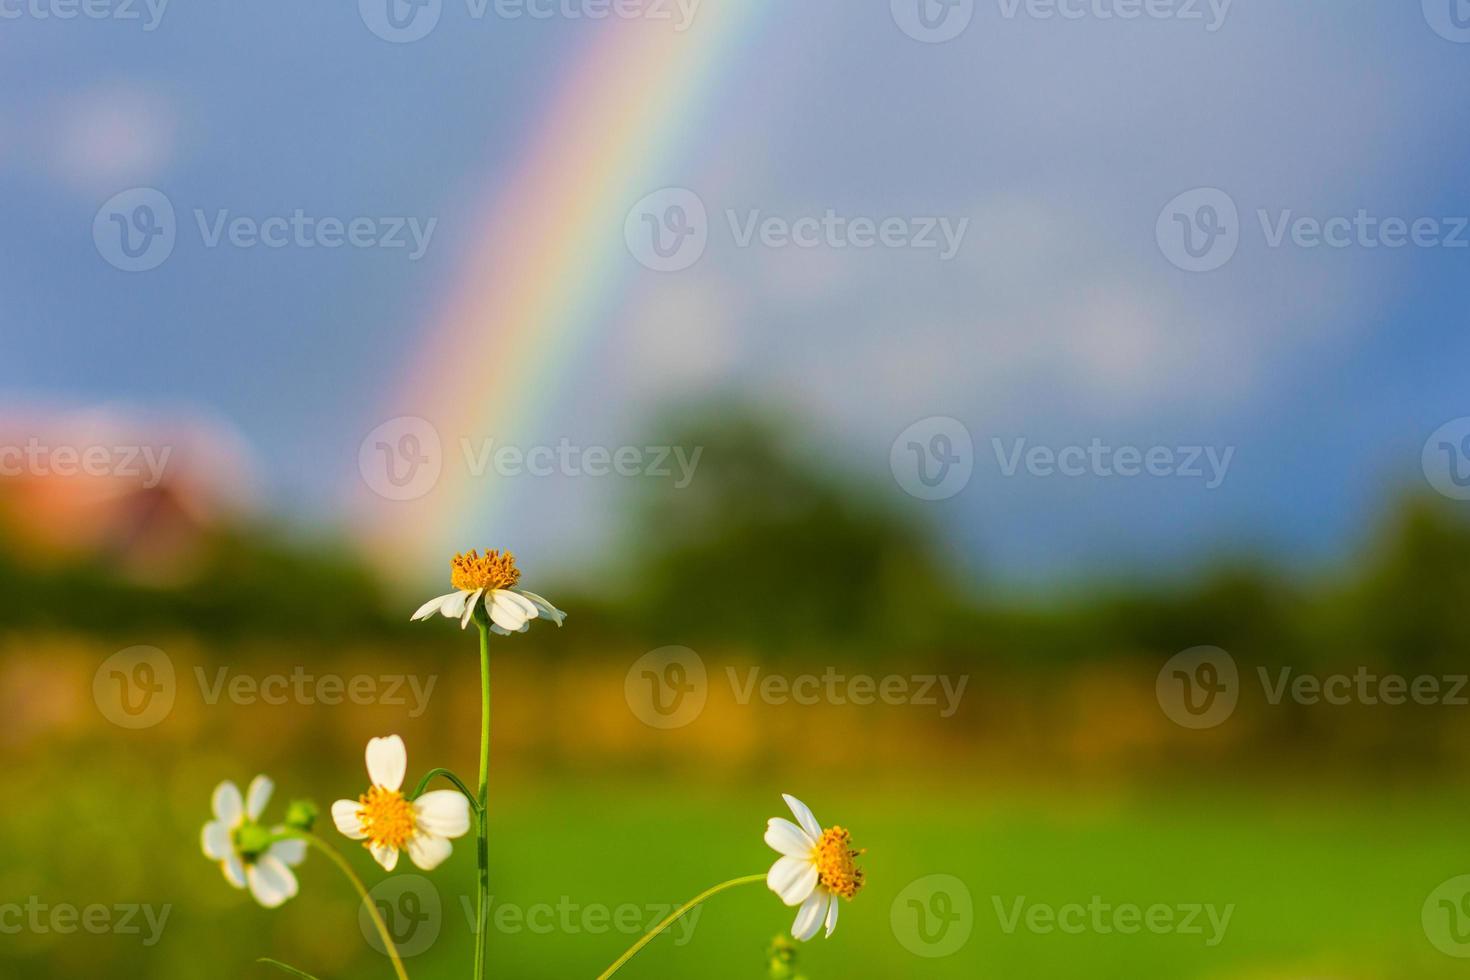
[
  {"x": 301, "y": 815},
  {"x": 781, "y": 955},
  {"x": 252, "y": 840}
]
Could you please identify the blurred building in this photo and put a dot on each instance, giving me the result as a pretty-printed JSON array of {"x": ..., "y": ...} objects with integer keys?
[{"x": 138, "y": 493}]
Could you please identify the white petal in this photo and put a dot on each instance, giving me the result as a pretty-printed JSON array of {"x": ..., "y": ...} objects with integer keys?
[
  {"x": 257, "y": 796},
  {"x": 234, "y": 870},
  {"x": 803, "y": 816},
  {"x": 345, "y": 816},
  {"x": 431, "y": 607},
  {"x": 384, "y": 855},
  {"x": 469, "y": 608},
  {"x": 544, "y": 607},
  {"x": 792, "y": 879},
  {"x": 831, "y": 916},
  {"x": 443, "y": 813},
  {"x": 387, "y": 760},
  {"x": 227, "y": 804},
  {"x": 505, "y": 613},
  {"x": 518, "y": 600},
  {"x": 809, "y": 916},
  {"x": 453, "y": 606},
  {"x": 271, "y": 882},
  {"x": 289, "y": 852},
  {"x": 215, "y": 840},
  {"x": 499, "y": 630},
  {"x": 788, "y": 838},
  {"x": 428, "y": 851}
]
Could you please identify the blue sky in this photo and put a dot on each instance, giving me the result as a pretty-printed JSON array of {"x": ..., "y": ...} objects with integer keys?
[{"x": 1059, "y": 321}]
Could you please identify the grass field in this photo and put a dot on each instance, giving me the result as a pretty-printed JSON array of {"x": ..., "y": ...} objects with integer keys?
[{"x": 1318, "y": 883}]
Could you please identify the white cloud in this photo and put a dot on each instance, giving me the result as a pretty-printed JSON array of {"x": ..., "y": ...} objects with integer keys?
[
  {"x": 109, "y": 136},
  {"x": 680, "y": 334}
]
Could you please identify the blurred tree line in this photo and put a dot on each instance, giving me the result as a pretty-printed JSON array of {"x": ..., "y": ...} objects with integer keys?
[{"x": 776, "y": 551}]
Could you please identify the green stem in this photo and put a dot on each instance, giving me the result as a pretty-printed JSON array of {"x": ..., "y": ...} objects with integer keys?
[
  {"x": 678, "y": 913},
  {"x": 314, "y": 841},
  {"x": 482, "y": 850},
  {"x": 458, "y": 783}
]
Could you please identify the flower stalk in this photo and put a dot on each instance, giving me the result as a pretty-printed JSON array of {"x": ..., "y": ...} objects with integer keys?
[
  {"x": 447, "y": 774},
  {"x": 817, "y": 868},
  {"x": 482, "y": 848},
  {"x": 387, "y": 820},
  {"x": 312, "y": 840},
  {"x": 677, "y": 914}
]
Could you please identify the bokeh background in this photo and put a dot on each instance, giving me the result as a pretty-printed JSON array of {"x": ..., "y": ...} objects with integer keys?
[{"x": 289, "y": 440}]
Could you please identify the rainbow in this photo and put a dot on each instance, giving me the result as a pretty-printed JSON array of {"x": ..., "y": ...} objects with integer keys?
[{"x": 551, "y": 260}]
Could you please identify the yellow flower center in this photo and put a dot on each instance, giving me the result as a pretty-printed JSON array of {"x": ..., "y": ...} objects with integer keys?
[
  {"x": 387, "y": 818},
  {"x": 836, "y": 869},
  {"x": 493, "y": 570}
]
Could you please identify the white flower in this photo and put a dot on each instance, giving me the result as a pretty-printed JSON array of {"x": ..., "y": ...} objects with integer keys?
[
  {"x": 816, "y": 868},
  {"x": 389, "y": 823},
  {"x": 490, "y": 579},
  {"x": 243, "y": 848}
]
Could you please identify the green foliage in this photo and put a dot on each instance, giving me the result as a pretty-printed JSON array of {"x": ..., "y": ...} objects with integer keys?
[
  {"x": 245, "y": 581},
  {"x": 775, "y": 550},
  {"x": 770, "y": 547},
  {"x": 1410, "y": 604}
]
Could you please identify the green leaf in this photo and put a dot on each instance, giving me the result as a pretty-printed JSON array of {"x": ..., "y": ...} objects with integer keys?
[{"x": 286, "y": 969}]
